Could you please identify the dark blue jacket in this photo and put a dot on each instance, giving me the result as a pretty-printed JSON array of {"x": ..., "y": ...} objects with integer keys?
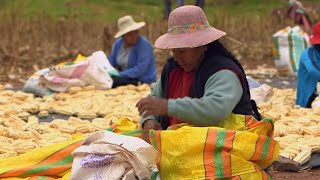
[{"x": 308, "y": 76}]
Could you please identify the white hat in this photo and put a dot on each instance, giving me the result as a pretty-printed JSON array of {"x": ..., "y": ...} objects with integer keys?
[{"x": 127, "y": 24}]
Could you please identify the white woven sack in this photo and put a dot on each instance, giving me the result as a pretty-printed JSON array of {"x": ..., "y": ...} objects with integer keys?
[{"x": 288, "y": 45}]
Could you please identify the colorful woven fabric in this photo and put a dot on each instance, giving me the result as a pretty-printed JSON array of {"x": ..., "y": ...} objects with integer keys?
[
  {"x": 215, "y": 153},
  {"x": 54, "y": 161},
  {"x": 50, "y": 162}
]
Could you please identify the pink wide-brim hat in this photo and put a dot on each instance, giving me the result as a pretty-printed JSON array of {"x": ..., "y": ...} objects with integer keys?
[
  {"x": 315, "y": 37},
  {"x": 188, "y": 27}
]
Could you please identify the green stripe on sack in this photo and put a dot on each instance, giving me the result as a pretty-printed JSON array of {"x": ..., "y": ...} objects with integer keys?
[
  {"x": 265, "y": 148},
  {"x": 67, "y": 160},
  {"x": 218, "y": 162},
  {"x": 153, "y": 139},
  {"x": 42, "y": 177},
  {"x": 299, "y": 46},
  {"x": 133, "y": 133},
  {"x": 276, "y": 52},
  {"x": 154, "y": 175},
  {"x": 291, "y": 44},
  {"x": 109, "y": 129}
]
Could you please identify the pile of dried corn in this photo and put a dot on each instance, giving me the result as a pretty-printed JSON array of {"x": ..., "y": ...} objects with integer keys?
[
  {"x": 296, "y": 129},
  {"x": 20, "y": 130}
]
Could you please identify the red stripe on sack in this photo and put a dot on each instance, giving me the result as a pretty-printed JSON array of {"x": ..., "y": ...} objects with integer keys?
[
  {"x": 259, "y": 146},
  {"x": 271, "y": 128},
  {"x": 56, "y": 156},
  {"x": 236, "y": 178},
  {"x": 228, "y": 144},
  {"x": 265, "y": 176},
  {"x": 250, "y": 121},
  {"x": 208, "y": 154},
  {"x": 256, "y": 167}
]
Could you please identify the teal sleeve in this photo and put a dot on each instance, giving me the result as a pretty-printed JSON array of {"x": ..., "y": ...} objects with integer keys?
[
  {"x": 156, "y": 90},
  {"x": 222, "y": 93}
]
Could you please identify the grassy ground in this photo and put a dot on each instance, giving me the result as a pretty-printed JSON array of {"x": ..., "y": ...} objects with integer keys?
[
  {"x": 35, "y": 34},
  {"x": 110, "y": 10}
]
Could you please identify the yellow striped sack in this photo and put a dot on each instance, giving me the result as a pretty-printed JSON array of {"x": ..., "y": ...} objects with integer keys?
[
  {"x": 50, "y": 162},
  {"x": 54, "y": 161},
  {"x": 215, "y": 153}
]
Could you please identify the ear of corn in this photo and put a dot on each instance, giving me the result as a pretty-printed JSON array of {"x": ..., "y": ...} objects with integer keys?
[{"x": 303, "y": 157}]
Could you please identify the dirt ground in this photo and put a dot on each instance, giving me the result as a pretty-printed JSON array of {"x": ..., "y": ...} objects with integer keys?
[{"x": 313, "y": 174}]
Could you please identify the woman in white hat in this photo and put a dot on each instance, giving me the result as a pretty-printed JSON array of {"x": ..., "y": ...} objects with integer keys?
[
  {"x": 132, "y": 54},
  {"x": 202, "y": 84}
]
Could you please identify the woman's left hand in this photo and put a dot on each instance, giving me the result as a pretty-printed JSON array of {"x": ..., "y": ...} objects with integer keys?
[{"x": 152, "y": 106}]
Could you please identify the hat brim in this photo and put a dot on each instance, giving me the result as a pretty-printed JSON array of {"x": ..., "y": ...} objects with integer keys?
[
  {"x": 189, "y": 40},
  {"x": 129, "y": 29},
  {"x": 314, "y": 40}
]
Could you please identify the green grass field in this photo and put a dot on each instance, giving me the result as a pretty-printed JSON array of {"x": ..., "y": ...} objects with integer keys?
[
  {"x": 45, "y": 32},
  {"x": 110, "y": 10}
]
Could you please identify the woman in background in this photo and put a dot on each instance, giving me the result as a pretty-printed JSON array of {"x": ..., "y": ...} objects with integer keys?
[{"x": 132, "y": 54}]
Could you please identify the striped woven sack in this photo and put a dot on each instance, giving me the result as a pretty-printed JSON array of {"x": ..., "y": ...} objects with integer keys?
[
  {"x": 215, "y": 153},
  {"x": 288, "y": 45},
  {"x": 54, "y": 161},
  {"x": 50, "y": 162}
]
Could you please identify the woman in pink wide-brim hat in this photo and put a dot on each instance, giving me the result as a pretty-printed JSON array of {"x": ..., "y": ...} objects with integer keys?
[{"x": 202, "y": 84}]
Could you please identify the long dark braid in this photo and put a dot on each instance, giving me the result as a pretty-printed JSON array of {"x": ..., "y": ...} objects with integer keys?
[{"x": 217, "y": 47}]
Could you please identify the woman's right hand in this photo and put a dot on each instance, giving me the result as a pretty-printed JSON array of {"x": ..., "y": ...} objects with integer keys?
[{"x": 147, "y": 126}]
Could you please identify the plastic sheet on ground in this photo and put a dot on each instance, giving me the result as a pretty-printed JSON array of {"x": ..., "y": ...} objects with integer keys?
[
  {"x": 93, "y": 71},
  {"x": 262, "y": 93}
]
